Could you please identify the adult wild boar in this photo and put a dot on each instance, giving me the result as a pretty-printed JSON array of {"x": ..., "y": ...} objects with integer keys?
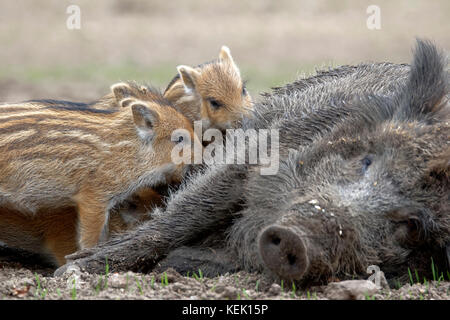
[{"x": 363, "y": 180}]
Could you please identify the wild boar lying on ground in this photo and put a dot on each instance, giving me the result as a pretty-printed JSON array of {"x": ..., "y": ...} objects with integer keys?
[{"x": 363, "y": 180}]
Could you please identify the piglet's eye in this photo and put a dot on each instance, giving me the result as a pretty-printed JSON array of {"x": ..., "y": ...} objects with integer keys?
[
  {"x": 180, "y": 139},
  {"x": 214, "y": 103}
]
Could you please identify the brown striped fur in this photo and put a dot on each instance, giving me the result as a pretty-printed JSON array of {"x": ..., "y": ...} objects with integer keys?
[
  {"x": 212, "y": 92},
  {"x": 53, "y": 232},
  {"x": 89, "y": 156}
]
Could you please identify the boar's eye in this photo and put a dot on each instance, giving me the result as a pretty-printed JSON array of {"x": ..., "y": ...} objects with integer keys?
[
  {"x": 214, "y": 103},
  {"x": 366, "y": 162},
  {"x": 131, "y": 205}
]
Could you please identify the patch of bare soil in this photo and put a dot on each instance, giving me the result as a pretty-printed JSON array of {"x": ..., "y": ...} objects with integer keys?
[{"x": 31, "y": 279}]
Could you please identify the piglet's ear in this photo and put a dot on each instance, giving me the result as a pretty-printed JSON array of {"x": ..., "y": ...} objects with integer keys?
[
  {"x": 145, "y": 118},
  {"x": 123, "y": 94},
  {"x": 189, "y": 76},
  {"x": 225, "y": 55},
  {"x": 428, "y": 83}
]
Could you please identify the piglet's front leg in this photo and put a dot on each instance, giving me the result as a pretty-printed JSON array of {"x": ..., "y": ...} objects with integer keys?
[
  {"x": 92, "y": 211},
  {"x": 209, "y": 202},
  {"x": 136, "y": 251}
]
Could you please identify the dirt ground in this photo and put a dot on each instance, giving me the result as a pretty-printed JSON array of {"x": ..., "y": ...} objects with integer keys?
[
  {"x": 25, "y": 276},
  {"x": 272, "y": 41}
]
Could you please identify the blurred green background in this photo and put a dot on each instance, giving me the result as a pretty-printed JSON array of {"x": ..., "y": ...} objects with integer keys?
[{"x": 273, "y": 42}]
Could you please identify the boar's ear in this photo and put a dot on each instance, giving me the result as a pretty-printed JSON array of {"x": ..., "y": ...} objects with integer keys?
[
  {"x": 145, "y": 118},
  {"x": 123, "y": 94},
  {"x": 225, "y": 55},
  {"x": 424, "y": 95},
  {"x": 412, "y": 225},
  {"x": 189, "y": 76}
]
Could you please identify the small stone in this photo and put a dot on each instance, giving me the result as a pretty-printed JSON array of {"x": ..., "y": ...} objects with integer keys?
[
  {"x": 116, "y": 280},
  {"x": 351, "y": 290},
  {"x": 74, "y": 281},
  {"x": 172, "y": 275},
  {"x": 28, "y": 282},
  {"x": 72, "y": 269},
  {"x": 226, "y": 292},
  {"x": 178, "y": 286},
  {"x": 219, "y": 288},
  {"x": 274, "y": 290},
  {"x": 251, "y": 293},
  {"x": 313, "y": 201}
]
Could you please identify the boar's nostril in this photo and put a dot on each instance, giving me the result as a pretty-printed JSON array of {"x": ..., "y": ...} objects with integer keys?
[
  {"x": 291, "y": 259},
  {"x": 276, "y": 241},
  {"x": 283, "y": 252}
]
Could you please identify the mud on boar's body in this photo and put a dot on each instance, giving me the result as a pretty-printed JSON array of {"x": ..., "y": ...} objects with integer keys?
[
  {"x": 363, "y": 179},
  {"x": 62, "y": 155}
]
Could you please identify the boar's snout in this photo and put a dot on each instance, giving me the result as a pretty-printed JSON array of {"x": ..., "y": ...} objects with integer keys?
[{"x": 283, "y": 251}]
